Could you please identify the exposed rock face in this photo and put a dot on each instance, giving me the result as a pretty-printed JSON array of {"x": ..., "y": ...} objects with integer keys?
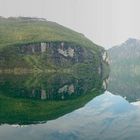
[
  {"x": 48, "y": 55},
  {"x": 33, "y": 48},
  {"x": 125, "y": 57},
  {"x": 127, "y": 52},
  {"x": 105, "y": 57},
  {"x": 105, "y": 83},
  {"x": 40, "y": 45},
  {"x": 59, "y": 52}
]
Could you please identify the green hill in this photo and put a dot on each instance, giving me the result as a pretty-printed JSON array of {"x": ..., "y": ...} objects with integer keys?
[
  {"x": 31, "y": 30},
  {"x": 28, "y": 44}
]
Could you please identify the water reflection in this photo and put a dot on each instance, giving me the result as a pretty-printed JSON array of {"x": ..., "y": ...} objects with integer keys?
[
  {"x": 107, "y": 117},
  {"x": 29, "y": 99},
  {"x": 68, "y": 107},
  {"x": 48, "y": 87},
  {"x": 125, "y": 83}
]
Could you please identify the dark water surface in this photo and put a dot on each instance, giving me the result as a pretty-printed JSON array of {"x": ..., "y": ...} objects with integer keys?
[{"x": 69, "y": 107}]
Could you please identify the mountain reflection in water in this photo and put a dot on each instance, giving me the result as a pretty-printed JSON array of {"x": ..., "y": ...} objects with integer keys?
[
  {"x": 69, "y": 107},
  {"x": 125, "y": 83},
  {"x": 29, "y": 99},
  {"x": 107, "y": 117}
]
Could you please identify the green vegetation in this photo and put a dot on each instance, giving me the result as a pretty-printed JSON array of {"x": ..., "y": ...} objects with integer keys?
[
  {"x": 26, "y": 111},
  {"x": 20, "y": 36},
  {"x": 28, "y": 99},
  {"x": 15, "y": 31},
  {"x": 20, "y": 96}
]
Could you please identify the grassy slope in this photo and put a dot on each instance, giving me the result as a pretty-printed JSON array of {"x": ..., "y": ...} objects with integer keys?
[
  {"x": 16, "y": 31},
  {"x": 26, "y": 30}
]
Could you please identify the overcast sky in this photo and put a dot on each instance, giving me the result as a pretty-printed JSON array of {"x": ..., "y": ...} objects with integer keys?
[{"x": 105, "y": 22}]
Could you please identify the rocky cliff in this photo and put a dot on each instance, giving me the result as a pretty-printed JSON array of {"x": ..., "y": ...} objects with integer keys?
[{"x": 29, "y": 44}]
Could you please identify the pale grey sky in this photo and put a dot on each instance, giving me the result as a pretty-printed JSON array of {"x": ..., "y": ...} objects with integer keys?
[{"x": 105, "y": 22}]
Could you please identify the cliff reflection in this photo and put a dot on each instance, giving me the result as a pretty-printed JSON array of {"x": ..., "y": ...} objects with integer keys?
[{"x": 28, "y": 99}]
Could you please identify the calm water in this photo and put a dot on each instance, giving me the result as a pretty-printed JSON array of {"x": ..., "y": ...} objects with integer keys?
[{"x": 69, "y": 107}]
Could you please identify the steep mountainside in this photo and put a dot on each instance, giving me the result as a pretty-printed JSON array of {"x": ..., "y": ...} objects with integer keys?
[
  {"x": 125, "y": 70},
  {"x": 28, "y": 44},
  {"x": 126, "y": 56}
]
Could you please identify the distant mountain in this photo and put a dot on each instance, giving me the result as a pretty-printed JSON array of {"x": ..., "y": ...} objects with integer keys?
[
  {"x": 126, "y": 55},
  {"x": 125, "y": 70}
]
